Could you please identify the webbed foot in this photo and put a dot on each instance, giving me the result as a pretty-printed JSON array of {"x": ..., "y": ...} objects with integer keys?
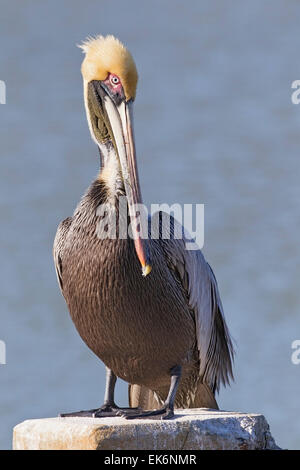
[
  {"x": 104, "y": 411},
  {"x": 163, "y": 413}
]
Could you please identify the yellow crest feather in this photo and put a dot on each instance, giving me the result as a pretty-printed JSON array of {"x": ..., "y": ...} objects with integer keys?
[{"x": 104, "y": 55}]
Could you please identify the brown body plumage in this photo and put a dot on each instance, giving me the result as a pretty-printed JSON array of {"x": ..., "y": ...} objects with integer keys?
[{"x": 142, "y": 327}]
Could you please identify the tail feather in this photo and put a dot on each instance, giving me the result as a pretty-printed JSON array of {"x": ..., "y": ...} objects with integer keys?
[
  {"x": 142, "y": 397},
  {"x": 204, "y": 398},
  {"x": 146, "y": 399}
]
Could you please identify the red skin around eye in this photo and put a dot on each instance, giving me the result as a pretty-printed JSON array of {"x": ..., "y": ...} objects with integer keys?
[{"x": 115, "y": 88}]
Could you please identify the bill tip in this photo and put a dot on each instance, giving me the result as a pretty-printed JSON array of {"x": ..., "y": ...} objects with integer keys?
[{"x": 146, "y": 270}]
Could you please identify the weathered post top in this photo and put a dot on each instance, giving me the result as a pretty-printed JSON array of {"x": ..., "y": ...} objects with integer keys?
[{"x": 191, "y": 429}]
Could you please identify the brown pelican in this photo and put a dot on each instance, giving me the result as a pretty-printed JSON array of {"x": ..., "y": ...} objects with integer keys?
[{"x": 163, "y": 332}]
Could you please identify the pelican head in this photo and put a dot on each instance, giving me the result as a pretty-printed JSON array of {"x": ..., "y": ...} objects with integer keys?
[{"x": 110, "y": 80}]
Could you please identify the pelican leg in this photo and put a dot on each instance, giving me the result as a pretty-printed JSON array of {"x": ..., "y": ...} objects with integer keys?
[
  {"x": 167, "y": 411},
  {"x": 109, "y": 408}
]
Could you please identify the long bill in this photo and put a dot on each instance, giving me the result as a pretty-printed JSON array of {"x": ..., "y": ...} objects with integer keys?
[{"x": 120, "y": 118}]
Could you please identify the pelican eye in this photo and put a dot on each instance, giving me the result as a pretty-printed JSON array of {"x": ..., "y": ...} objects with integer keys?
[{"x": 114, "y": 80}]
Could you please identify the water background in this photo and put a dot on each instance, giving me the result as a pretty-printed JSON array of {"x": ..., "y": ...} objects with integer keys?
[{"x": 214, "y": 124}]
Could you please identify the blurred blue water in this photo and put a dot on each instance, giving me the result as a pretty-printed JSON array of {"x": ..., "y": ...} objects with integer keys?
[{"x": 214, "y": 124}]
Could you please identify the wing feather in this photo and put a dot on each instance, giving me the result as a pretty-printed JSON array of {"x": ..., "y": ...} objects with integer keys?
[
  {"x": 213, "y": 339},
  {"x": 58, "y": 247}
]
